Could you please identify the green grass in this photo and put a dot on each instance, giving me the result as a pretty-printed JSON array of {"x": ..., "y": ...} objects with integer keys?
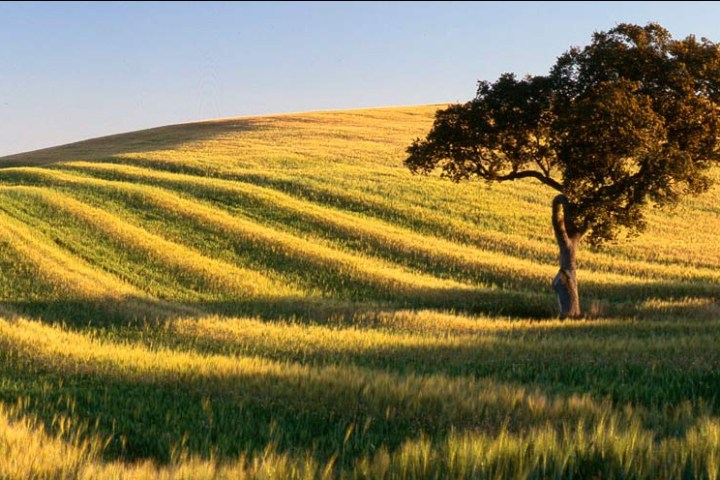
[{"x": 277, "y": 297}]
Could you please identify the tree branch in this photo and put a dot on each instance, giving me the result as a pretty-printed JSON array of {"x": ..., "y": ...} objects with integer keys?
[
  {"x": 544, "y": 170},
  {"x": 539, "y": 160},
  {"x": 531, "y": 174}
]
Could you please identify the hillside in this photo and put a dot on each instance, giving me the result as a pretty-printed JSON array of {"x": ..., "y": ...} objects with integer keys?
[{"x": 279, "y": 296}]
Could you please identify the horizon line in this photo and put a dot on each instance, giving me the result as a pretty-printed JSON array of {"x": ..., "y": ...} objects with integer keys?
[{"x": 221, "y": 119}]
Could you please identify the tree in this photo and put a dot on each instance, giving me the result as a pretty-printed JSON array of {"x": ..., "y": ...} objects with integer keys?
[{"x": 630, "y": 120}]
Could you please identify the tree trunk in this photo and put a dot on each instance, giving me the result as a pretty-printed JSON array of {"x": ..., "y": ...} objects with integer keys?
[{"x": 567, "y": 236}]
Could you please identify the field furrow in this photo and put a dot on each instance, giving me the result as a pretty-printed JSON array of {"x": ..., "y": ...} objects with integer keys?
[
  {"x": 382, "y": 238},
  {"x": 206, "y": 273}
]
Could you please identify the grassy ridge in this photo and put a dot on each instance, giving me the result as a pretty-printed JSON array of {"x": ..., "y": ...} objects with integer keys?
[{"x": 278, "y": 297}]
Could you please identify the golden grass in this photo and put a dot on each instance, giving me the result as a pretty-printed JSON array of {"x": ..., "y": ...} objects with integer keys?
[
  {"x": 309, "y": 309},
  {"x": 239, "y": 281},
  {"x": 63, "y": 270},
  {"x": 316, "y": 253},
  {"x": 412, "y": 243}
]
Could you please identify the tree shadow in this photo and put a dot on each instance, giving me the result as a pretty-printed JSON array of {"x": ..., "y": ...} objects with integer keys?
[
  {"x": 678, "y": 300},
  {"x": 144, "y": 311},
  {"x": 648, "y": 304}
]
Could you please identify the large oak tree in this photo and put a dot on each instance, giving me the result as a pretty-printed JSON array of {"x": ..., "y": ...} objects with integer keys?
[{"x": 629, "y": 120}]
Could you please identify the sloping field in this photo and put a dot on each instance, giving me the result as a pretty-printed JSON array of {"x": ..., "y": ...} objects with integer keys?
[{"x": 277, "y": 297}]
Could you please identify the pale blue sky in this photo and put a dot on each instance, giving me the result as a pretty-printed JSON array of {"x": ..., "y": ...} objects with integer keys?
[{"x": 70, "y": 71}]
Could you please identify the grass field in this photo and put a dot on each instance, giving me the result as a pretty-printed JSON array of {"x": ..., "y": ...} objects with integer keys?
[{"x": 277, "y": 297}]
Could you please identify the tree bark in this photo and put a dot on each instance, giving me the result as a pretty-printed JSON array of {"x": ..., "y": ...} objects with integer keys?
[{"x": 567, "y": 236}]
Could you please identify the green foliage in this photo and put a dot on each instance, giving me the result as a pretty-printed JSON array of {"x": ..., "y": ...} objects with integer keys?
[{"x": 631, "y": 119}]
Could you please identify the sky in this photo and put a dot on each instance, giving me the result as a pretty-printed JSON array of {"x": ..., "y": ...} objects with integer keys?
[{"x": 72, "y": 71}]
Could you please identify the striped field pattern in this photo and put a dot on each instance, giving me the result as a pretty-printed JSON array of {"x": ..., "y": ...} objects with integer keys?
[{"x": 278, "y": 297}]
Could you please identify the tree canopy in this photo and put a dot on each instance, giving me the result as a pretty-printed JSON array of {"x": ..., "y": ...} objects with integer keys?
[{"x": 631, "y": 119}]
